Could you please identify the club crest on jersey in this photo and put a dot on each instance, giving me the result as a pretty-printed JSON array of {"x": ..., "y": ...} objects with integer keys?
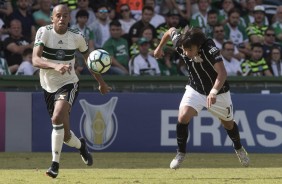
[
  {"x": 60, "y": 54},
  {"x": 197, "y": 59}
]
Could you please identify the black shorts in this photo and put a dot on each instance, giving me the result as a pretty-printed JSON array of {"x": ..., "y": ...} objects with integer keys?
[{"x": 68, "y": 93}]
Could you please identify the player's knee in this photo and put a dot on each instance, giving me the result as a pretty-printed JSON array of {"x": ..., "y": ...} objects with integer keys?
[
  {"x": 184, "y": 119},
  {"x": 228, "y": 124},
  {"x": 56, "y": 119}
]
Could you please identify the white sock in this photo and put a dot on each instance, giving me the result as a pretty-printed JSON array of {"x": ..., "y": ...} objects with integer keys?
[
  {"x": 73, "y": 141},
  {"x": 57, "y": 141}
]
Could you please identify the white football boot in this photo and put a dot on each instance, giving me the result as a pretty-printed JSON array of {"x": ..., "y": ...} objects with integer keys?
[
  {"x": 178, "y": 159},
  {"x": 243, "y": 156}
]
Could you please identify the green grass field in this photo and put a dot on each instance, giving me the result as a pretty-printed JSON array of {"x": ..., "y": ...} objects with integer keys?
[{"x": 137, "y": 168}]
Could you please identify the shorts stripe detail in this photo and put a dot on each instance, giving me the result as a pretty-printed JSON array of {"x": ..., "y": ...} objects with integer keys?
[{"x": 72, "y": 93}]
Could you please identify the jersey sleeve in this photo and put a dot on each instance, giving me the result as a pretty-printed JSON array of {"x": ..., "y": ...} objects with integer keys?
[
  {"x": 82, "y": 43},
  {"x": 41, "y": 37},
  {"x": 211, "y": 51},
  {"x": 175, "y": 36}
]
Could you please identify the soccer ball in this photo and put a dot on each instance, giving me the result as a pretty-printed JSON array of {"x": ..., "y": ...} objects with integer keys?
[{"x": 99, "y": 61}]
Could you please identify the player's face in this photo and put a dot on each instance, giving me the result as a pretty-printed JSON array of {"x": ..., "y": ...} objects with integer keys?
[
  {"x": 191, "y": 52},
  {"x": 60, "y": 19}
]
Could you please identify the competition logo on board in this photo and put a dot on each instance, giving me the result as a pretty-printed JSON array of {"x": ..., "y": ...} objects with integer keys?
[{"x": 98, "y": 123}]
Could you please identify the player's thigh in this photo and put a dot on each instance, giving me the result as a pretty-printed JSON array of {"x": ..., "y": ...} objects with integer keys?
[
  {"x": 61, "y": 114},
  {"x": 61, "y": 109},
  {"x": 191, "y": 104},
  {"x": 223, "y": 108},
  {"x": 186, "y": 113},
  {"x": 64, "y": 98}
]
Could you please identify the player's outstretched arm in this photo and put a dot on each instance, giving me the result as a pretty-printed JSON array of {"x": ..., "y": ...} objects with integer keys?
[
  {"x": 158, "y": 53},
  {"x": 103, "y": 86}
]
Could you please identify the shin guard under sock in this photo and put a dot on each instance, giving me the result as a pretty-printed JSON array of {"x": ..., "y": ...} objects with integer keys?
[
  {"x": 182, "y": 136},
  {"x": 235, "y": 136},
  {"x": 73, "y": 141},
  {"x": 57, "y": 142}
]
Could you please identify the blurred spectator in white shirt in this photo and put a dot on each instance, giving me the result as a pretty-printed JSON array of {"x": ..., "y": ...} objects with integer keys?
[
  {"x": 157, "y": 19},
  {"x": 231, "y": 64},
  {"x": 125, "y": 19},
  {"x": 143, "y": 63},
  {"x": 26, "y": 67}
]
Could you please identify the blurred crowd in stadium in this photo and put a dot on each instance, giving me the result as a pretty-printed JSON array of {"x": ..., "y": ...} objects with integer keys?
[{"x": 247, "y": 32}]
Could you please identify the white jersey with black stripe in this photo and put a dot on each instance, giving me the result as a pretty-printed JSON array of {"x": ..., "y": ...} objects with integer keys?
[{"x": 59, "y": 48}]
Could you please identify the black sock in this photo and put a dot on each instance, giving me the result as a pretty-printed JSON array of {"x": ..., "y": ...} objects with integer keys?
[
  {"x": 234, "y": 136},
  {"x": 182, "y": 136}
]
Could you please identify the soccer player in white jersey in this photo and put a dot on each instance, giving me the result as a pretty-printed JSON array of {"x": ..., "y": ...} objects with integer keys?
[
  {"x": 53, "y": 53},
  {"x": 207, "y": 88}
]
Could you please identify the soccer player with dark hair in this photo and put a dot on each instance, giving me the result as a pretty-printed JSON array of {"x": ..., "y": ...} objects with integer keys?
[
  {"x": 207, "y": 88},
  {"x": 53, "y": 53}
]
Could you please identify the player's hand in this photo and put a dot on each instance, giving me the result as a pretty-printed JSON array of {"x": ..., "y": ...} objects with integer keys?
[
  {"x": 104, "y": 89},
  {"x": 211, "y": 99},
  {"x": 63, "y": 68},
  {"x": 158, "y": 53}
]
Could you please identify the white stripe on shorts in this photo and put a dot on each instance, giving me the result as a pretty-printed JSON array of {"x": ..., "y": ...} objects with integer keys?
[{"x": 72, "y": 93}]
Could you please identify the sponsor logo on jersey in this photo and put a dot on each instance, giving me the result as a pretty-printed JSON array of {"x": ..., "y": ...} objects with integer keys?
[
  {"x": 62, "y": 97},
  {"x": 213, "y": 50}
]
